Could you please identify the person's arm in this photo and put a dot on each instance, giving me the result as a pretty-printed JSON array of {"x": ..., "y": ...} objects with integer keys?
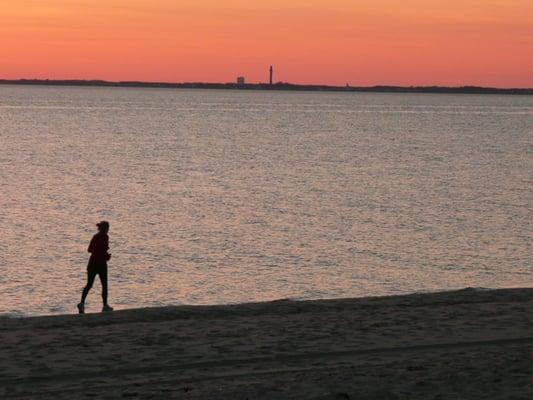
[
  {"x": 106, "y": 245},
  {"x": 91, "y": 249}
]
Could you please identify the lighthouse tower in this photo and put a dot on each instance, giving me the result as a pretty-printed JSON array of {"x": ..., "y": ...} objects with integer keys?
[{"x": 271, "y": 74}]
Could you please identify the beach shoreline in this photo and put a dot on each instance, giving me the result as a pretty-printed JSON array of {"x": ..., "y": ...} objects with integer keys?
[
  {"x": 471, "y": 343},
  {"x": 94, "y": 307}
]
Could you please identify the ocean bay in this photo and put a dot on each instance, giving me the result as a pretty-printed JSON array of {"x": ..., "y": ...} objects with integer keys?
[{"x": 222, "y": 196}]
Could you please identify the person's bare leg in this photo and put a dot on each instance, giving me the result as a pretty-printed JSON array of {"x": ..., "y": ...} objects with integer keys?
[
  {"x": 90, "y": 281},
  {"x": 103, "y": 281}
]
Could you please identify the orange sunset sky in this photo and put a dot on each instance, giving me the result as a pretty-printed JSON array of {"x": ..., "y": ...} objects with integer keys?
[{"x": 360, "y": 42}]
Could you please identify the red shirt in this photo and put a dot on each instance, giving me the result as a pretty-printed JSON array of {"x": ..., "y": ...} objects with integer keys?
[{"x": 98, "y": 248}]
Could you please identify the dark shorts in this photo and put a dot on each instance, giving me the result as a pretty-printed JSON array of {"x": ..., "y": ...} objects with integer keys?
[
  {"x": 96, "y": 264},
  {"x": 97, "y": 269}
]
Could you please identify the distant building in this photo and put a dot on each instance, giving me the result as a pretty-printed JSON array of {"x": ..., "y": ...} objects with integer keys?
[
  {"x": 271, "y": 74},
  {"x": 241, "y": 81}
]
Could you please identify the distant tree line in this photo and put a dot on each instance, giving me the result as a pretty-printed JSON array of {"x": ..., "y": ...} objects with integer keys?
[{"x": 275, "y": 86}]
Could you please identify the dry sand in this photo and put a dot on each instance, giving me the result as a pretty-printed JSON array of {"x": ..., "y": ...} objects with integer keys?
[{"x": 469, "y": 344}]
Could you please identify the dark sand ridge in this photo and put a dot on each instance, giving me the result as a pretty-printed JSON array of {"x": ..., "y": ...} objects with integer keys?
[{"x": 468, "y": 344}]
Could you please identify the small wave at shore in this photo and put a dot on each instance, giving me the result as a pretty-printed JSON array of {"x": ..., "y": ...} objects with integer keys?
[{"x": 292, "y": 305}]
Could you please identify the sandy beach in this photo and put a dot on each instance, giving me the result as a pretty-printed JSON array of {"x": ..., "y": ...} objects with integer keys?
[{"x": 467, "y": 344}]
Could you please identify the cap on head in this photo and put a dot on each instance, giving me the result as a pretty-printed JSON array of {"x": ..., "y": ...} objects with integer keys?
[{"x": 103, "y": 225}]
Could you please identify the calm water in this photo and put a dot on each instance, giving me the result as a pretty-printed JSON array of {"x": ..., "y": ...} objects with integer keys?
[{"x": 233, "y": 196}]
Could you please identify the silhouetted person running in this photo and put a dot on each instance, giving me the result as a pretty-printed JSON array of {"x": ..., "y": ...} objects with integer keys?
[{"x": 97, "y": 265}]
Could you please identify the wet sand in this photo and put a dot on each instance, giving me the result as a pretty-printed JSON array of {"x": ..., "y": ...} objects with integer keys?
[{"x": 468, "y": 344}]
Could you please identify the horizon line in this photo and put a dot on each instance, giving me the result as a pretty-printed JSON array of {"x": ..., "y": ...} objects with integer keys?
[{"x": 280, "y": 85}]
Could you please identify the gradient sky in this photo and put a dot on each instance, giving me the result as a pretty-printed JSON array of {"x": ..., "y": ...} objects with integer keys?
[{"x": 361, "y": 42}]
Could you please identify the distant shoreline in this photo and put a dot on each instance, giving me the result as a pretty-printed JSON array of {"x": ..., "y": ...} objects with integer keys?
[{"x": 276, "y": 86}]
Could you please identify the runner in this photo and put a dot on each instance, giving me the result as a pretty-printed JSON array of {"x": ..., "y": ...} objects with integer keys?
[{"x": 98, "y": 248}]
